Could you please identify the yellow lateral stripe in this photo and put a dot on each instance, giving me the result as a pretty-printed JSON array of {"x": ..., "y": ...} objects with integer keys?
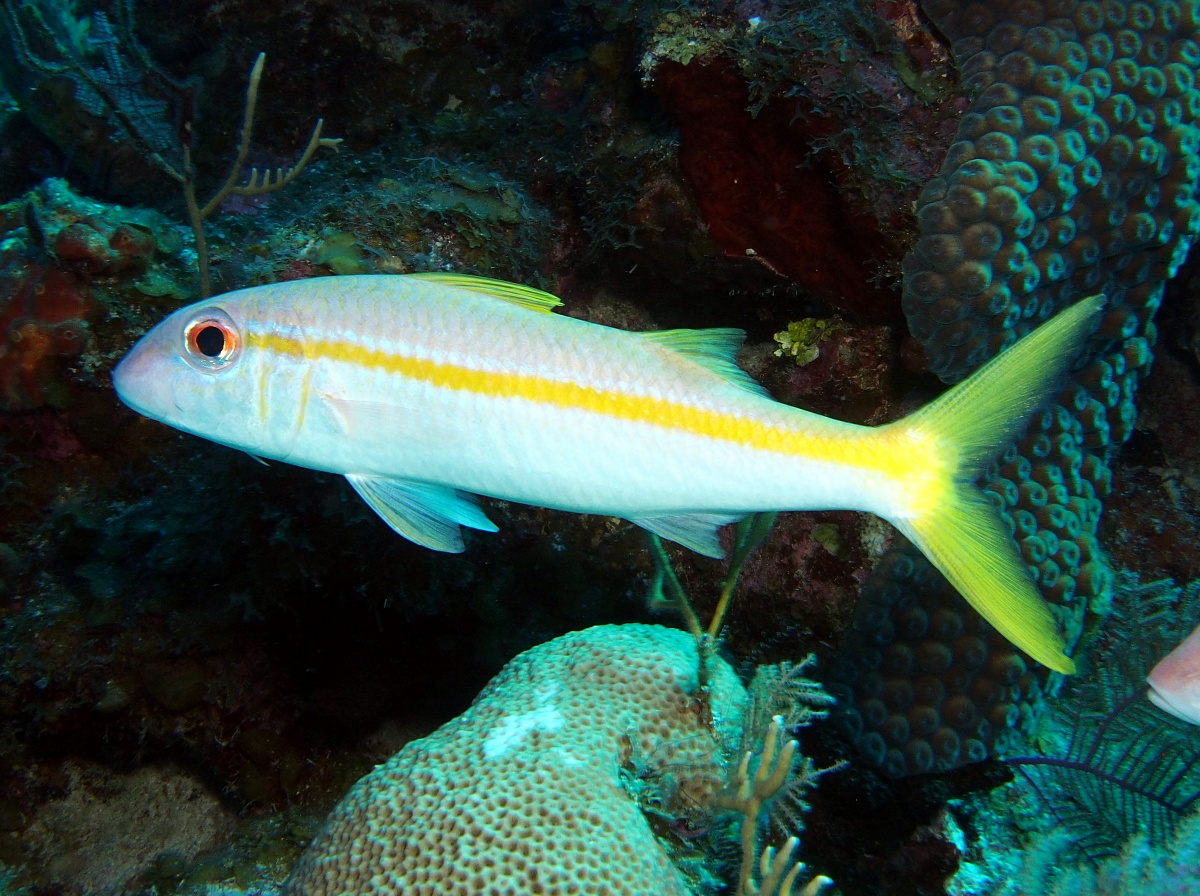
[{"x": 888, "y": 456}]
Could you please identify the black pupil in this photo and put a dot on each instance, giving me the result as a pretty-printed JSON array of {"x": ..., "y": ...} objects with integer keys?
[{"x": 211, "y": 341}]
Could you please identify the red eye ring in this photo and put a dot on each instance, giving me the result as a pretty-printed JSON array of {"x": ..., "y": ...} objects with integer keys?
[{"x": 211, "y": 340}]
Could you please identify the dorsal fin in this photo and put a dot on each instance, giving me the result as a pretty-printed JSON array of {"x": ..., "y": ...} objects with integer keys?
[
  {"x": 714, "y": 349},
  {"x": 516, "y": 293}
]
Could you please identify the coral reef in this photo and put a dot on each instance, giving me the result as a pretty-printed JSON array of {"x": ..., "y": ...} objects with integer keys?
[
  {"x": 107, "y": 829},
  {"x": 1116, "y": 214},
  {"x": 593, "y": 762},
  {"x": 55, "y": 246},
  {"x": 933, "y": 684},
  {"x": 1073, "y": 173},
  {"x": 275, "y": 642},
  {"x": 795, "y": 123}
]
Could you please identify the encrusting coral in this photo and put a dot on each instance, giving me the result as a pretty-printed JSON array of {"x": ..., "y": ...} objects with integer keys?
[
  {"x": 1074, "y": 173},
  {"x": 549, "y": 783},
  {"x": 54, "y": 246}
]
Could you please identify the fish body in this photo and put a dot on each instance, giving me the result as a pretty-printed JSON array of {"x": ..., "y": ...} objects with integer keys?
[
  {"x": 1175, "y": 681},
  {"x": 425, "y": 390}
]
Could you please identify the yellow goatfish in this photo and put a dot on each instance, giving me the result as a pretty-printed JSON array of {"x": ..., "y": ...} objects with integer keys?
[{"x": 424, "y": 390}]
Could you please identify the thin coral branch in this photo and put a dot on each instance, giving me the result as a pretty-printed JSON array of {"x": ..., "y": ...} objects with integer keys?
[
  {"x": 256, "y": 186},
  {"x": 747, "y": 793},
  {"x": 751, "y": 532},
  {"x": 269, "y": 182},
  {"x": 779, "y": 873},
  {"x": 814, "y": 886},
  {"x": 243, "y": 149},
  {"x": 777, "y": 870},
  {"x": 283, "y": 177}
]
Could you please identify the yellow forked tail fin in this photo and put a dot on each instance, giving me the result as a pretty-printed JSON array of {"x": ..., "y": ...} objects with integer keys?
[{"x": 961, "y": 533}]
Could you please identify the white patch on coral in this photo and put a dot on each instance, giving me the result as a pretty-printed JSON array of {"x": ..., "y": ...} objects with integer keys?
[
  {"x": 513, "y": 730},
  {"x": 570, "y": 759}
]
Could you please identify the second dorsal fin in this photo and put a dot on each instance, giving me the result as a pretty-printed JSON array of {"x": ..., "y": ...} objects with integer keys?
[{"x": 714, "y": 349}]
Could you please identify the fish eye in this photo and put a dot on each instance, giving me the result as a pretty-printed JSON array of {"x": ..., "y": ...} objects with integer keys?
[{"x": 211, "y": 340}]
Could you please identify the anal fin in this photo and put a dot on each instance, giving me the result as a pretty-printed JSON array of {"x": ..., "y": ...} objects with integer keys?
[{"x": 695, "y": 531}]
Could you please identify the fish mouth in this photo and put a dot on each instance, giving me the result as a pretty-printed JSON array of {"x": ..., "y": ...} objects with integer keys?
[{"x": 1166, "y": 703}]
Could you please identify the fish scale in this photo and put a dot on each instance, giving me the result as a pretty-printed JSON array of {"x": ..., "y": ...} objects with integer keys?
[{"x": 544, "y": 386}]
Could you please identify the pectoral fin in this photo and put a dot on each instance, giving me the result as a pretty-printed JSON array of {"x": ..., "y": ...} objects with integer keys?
[
  {"x": 352, "y": 418},
  {"x": 429, "y": 515},
  {"x": 695, "y": 531}
]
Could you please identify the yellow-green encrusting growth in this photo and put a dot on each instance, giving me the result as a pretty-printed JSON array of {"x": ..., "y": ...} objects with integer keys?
[
  {"x": 1074, "y": 173},
  {"x": 802, "y": 339}
]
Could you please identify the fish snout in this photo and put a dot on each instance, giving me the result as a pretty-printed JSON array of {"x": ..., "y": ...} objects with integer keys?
[{"x": 137, "y": 384}]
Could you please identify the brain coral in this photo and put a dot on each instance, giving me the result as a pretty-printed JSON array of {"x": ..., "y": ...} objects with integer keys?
[
  {"x": 1074, "y": 173},
  {"x": 536, "y": 788}
]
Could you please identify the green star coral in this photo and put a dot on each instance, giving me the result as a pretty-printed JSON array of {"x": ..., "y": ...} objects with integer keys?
[{"x": 1074, "y": 171}]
